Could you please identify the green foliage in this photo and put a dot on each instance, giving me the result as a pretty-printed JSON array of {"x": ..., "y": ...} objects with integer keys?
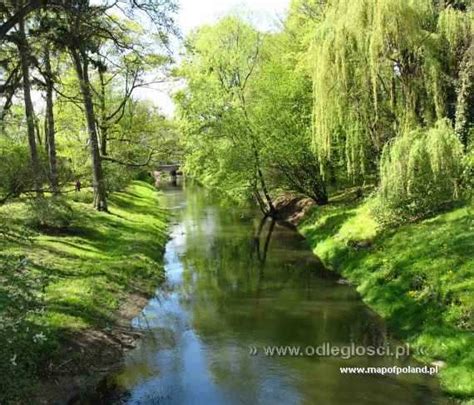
[
  {"x": 280, "y": 110},
  {"x": 23, "y": 343},
  {"x": 373, "y": 72},
  {"x": 421, "y": 171},
  {"x": 244, "y": 108},
  {"x": 84, "y": 196},
  {"x": 219, "y": 142},
  {"x": 15, "y": 168},
  {"x": 419, "y": 278},
  {"x": 380, "y": 67},
  {"x": 54, "y": 287},
  {"x": 118, "y": 177},
  {"x": 49, "y": 214},
  {"x": 467, "y": 178}
]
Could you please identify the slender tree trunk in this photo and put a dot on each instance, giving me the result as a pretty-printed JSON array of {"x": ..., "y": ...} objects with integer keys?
[
  {"x": 24, "y": 52},
  {"x": 103, "y": 116},
  {"x": 46, "y": 133},
  {"x": 38, "y": 132},
  {"x": 81, "y": 65},
  {"x": 50, "y": 140},
  {"x": 265, "y": 191},
  {"x": 261, "y": 180},
  {"x": 272, "y": 212}
]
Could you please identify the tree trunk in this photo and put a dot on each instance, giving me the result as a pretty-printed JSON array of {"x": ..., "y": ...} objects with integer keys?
[
  {"x": 272, "y": 212},
  {"x": 261, "y": 178},
  {"x": 103, "y": 116},
  {"x": 103, "y": 140},
  {"x": 50, "y": 140},
  {"x": 24, "y": 52},
  {"x": 81, "y": 65},
  {"x": 38, "y": 132}
]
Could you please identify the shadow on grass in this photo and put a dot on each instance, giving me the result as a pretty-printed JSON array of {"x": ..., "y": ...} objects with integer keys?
[
  {"x": 77, "y": 278},
  {"x": 329, "y": 226}
]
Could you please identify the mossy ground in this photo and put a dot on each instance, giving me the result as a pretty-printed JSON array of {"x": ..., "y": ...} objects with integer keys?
[
  {"x": 57, "y": 284},
  {"x": 419, "y": 277}
]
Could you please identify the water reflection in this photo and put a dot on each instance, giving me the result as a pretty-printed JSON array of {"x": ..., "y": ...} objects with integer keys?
[{"x": 235, "y": 281}]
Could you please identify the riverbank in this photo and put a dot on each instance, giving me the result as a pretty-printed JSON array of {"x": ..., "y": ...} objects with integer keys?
[
  {"x": 67, "y": 296},
  {"x": 418, "y": 277}
]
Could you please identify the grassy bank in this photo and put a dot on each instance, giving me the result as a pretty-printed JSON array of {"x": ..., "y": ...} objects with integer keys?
[
  {"x": 419, "y": 277},
  {"x": 63, "y": 293}
]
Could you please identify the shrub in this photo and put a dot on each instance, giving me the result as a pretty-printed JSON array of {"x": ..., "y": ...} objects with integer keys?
[
  {"x": 15, "y": 169},
  {"x": 23, "y": 343},
  {"x": 49, "y": 213},
  {"x": 83, "y": 196},
  {"x": 420, "y": 172},
  {"x": 467, "y": 178},
  {"x": 118, "y": 177}
]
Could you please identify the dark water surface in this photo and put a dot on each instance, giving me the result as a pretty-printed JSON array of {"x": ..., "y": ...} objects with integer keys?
[{"x": 224, "y": 294}]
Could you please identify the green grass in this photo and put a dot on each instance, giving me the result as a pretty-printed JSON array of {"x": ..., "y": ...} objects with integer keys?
[
  {"x": 54, "y": 285},
  {"x": 419, "y": 277}
]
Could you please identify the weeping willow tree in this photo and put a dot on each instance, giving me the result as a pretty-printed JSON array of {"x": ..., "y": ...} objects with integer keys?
[
  {"x": 381, "y": 68},
  {"x": 456, "y": 30},
  {"x": 421, "y": 170}
]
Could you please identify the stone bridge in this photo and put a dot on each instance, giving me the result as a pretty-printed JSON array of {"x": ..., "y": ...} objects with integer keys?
[
  {"x": 168, "y": 168},
  {"x": 175, "y": 167}
]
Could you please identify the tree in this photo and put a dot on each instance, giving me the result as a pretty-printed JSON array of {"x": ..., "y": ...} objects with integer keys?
[
  {"x": 280, "y": 107},
  {"x": 81, "y": 64},
  {"x": 10, "y": 73},
  {"x": 136, "y": 68},
  {"x": 87, "y": 31},
  {"x": 14, "y": 12},
  {"x": 221, "y": 62},
  {"x": 381, "y": 68},
  {"x": 24, "y": 52},
  {"x": 50, "y": 132},
  {"x": 244, "y": 104}
]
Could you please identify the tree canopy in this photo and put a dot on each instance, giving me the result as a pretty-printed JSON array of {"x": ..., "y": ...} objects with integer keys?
[
  {"x": 85, "y": 61},
  {"x": 334, "y": 98}
]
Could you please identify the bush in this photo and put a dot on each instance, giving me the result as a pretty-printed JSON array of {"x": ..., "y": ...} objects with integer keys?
[
  {"x": 17, "y": 175},
  {"x": 467, "y": 178},
  {"x": 23, "y": 343},
  {"x": 15, "y": 169},
  {"x": 83, "y": 196},
  {"x": 49, "y": 213},
  {"x": 118, "y": 177},
  {"x": 420, "y": 172}
]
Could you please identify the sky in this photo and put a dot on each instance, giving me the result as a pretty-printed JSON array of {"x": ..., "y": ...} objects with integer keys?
[
  {"x": 264, "y": 14},
  {"x": 193, "y": 13}
]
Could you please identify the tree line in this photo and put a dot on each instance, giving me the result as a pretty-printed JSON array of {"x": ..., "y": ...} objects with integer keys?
[
  {"x": 68, "y": 73},
  {"x": 344, "y": 94}
]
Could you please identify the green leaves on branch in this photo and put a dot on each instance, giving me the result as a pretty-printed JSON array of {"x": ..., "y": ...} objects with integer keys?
[
  {"x": 420, "y": 171},
  {"x": 380, "y": 68}
]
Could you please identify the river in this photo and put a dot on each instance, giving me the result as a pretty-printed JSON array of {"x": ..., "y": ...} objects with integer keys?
[{"x": 231, "y": 290}]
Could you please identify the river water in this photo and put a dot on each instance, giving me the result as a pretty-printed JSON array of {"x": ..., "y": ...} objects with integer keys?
[{"x": 234, "y": 285}]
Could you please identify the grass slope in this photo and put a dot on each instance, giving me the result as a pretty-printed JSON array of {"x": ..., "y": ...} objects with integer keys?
[
  {"x": 55, "y": 286},
  {"x": 419, "y": 277}
]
